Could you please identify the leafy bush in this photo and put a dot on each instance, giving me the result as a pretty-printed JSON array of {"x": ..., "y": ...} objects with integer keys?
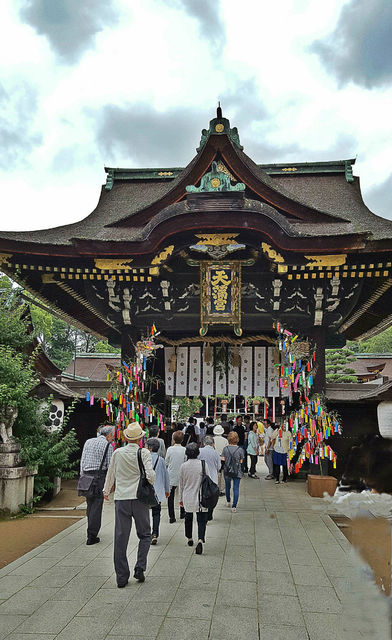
[
  {"x": 49, "y": 452},
  {"x": 186, "y": 406}
]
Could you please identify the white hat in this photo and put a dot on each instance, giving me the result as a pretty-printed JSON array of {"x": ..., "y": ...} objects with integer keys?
[
  {"x": 218, "y": 430},
  {"x": 134, "y": 431}
]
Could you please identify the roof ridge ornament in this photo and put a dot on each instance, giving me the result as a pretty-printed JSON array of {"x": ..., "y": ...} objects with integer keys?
[
  {"x": 221, "y": 126},
  {"x": 348, "y": 170},
  {"x": 216, "y": 181}
]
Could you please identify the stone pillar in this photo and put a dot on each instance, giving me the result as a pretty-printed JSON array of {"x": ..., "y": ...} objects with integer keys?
[{"x": 16, "y": 482}]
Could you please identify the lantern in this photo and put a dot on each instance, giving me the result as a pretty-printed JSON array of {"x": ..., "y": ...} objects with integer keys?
[{"x": 384, "y": 415}]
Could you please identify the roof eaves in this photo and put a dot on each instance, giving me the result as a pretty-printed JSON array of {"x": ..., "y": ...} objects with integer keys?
[
  {"x": 169, "y": 173},
  {"x": 70, "y": 376}
]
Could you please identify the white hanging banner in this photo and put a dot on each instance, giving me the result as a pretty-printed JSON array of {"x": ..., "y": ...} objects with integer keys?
[
  {"x": 259, "y": 371},
  {"x": 187, "y": 380},
  {"x": 220, "y": 381},
  {"x": 182, "y": 371},
  {"x": 272, "y": 375},
  {"x": 233, "y": 379},
  {"x": 246, "y": 371},
  {"x": 194, "y": 371},
  {"x": 208, "y": 376},
  {"x": 169, "y": 375}
]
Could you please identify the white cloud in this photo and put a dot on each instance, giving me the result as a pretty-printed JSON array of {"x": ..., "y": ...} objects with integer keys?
[{"x": 157, "y": 54}]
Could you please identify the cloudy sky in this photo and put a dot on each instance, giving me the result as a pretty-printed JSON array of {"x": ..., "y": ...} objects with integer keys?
[{"x": 88, "y": 83}]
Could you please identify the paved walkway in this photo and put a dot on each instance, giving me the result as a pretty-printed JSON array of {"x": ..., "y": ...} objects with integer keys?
[{"x": 272, "y": 571}]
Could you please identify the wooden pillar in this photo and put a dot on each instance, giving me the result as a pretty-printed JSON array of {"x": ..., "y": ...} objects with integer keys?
[{"x": 319, "y": 338}]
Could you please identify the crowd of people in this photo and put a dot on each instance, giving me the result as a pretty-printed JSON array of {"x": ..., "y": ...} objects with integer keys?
[{"x": 223, "y": 450}]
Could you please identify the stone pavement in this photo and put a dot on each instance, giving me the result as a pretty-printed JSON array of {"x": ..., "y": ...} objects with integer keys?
[{"x": 275, "y": 570}]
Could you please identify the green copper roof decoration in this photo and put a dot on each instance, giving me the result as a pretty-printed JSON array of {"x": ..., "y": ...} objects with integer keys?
[
  {"x": 348, "y": 170},
  {"x": 221, "y": 126},
  {"x": 109, "y": 180},
  {"x": 215, "y": 181}
]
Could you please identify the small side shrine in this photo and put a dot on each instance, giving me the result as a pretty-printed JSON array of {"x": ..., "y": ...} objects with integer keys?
[{"x": 215, "y": 254}]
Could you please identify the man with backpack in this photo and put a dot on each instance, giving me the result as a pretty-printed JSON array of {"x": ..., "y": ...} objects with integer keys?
[
  {"x": 232, "y": 456},
  {"x": 213, "y": 460},
  {"x": 240, "y": 430}
]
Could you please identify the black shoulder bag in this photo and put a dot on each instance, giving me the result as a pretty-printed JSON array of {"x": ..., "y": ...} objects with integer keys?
[
  {"x": 90, "y": 485},
  {"x": 209, "y": 492},
  {"x": 145, "y": 491}
]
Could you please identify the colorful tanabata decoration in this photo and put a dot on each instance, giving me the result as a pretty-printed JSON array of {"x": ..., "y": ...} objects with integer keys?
[
  {"x": 311, "y": 425},
  {"x": 127, "y": 399}
]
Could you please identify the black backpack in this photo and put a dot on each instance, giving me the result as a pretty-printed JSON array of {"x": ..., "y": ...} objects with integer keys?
[
  {"x": 209, "y": 492},
  {"x": 232, "y": 467}
]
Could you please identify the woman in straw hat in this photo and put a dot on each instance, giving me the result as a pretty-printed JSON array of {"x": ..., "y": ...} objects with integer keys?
[{"x": 124, "y": 475}]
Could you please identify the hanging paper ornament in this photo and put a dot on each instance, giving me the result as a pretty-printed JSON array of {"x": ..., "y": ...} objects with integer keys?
[{"x": 207, "y": 354}]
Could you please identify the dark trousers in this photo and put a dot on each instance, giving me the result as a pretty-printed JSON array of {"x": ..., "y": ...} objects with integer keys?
[
  {"x": 156, "y": 519},
  {"x": 94, "y": 507},
  {"x": 170, "y": 505},
  {"x": 244, "y": 465},
  {"x": 253, "y": 462},
  {"x": 277, "y": 471},
  {"x": 201, "y": 524},
  {"x": 125, "y": 510}
]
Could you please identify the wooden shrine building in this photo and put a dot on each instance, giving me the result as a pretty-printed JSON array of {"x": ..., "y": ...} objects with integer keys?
[{"x": 220, "y": 249}]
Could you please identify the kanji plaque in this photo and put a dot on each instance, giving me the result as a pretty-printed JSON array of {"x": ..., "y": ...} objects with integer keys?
[{"x": 220, "y": 295}]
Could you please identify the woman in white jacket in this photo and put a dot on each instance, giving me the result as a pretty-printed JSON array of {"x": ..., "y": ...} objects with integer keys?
[{"x": 189, "y": 481}]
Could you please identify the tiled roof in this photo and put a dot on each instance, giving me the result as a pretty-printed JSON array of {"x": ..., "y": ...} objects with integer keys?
[
  {"x": 346, "y": 392},
  {"x": 363, "y": 362},
  {"x": 320, "y": 186},
  {"x": 93, "y": 365}
]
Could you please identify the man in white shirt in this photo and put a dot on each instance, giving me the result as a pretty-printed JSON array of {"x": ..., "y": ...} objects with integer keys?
[
  {"x": 281, "y": 442},
  {"x": 220, "y": 443},
  {"x": 124, "y": 474},
  {"x": 175, "y": 457}
]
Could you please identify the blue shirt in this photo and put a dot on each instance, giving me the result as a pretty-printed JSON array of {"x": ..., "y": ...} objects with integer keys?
[
  {"x": 161, "y": 484},
  {"x": 253, "y": 444}
]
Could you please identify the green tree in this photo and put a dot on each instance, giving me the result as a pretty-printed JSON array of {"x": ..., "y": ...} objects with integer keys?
[
  {"x": 61, "y": 346},
  {"x": 186, "y": 406},
  {"x": 382, "y": 343},
  {"x": 105, "y": 347},
  {"x": 43, "y": 325},
  {"x": 5, "y": 283},
  {"x": 49, "y": 452},
  {"x": 337, "y": 365}
]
